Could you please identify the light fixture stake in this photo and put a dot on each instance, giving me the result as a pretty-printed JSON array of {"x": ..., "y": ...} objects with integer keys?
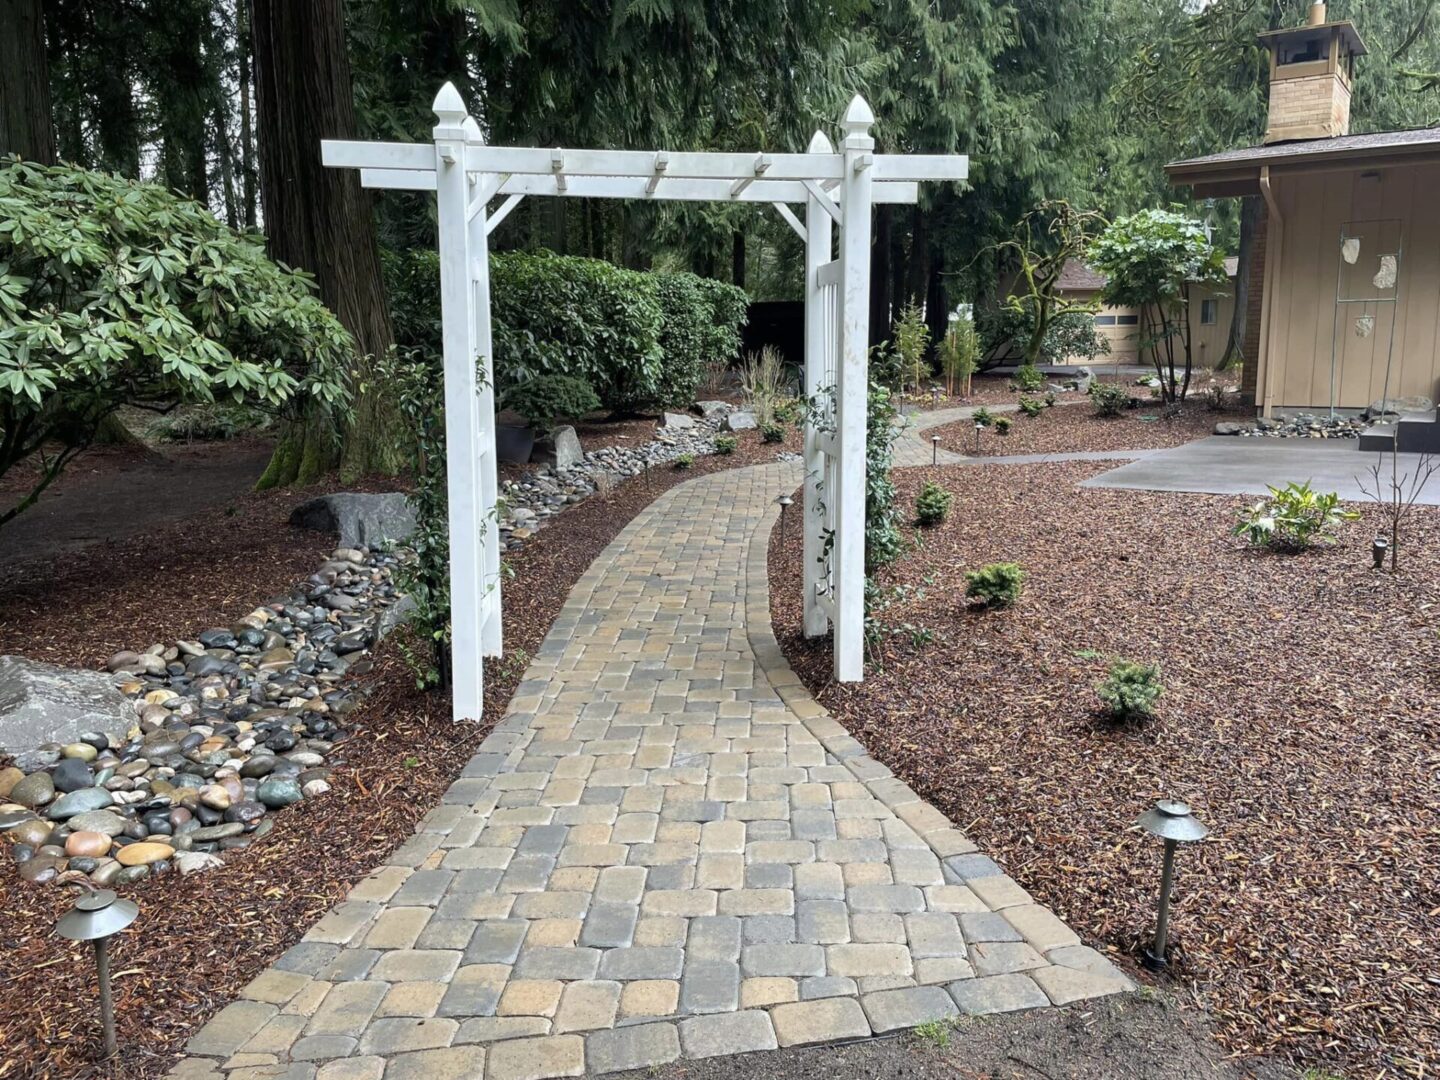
[{"x": 1172, "y": 822}]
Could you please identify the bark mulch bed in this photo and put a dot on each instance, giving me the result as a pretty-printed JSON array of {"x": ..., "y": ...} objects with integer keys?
[
  {"x": 1076, "y": 427},
  {"x": 1299, "y": 719},
  {"x": 200, "y": 939}
]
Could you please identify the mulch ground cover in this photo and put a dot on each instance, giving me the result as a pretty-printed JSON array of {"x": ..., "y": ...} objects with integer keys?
[
  {"x": 200, "y": 939},
  {"x": 1076, "y": 427},
  {"x": 1300, "y": 720}
]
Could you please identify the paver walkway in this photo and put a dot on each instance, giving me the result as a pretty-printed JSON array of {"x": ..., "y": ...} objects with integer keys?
[{"x": 666, "y": 848}]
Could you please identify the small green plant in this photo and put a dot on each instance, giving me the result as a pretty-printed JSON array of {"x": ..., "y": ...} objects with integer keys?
[
  {"x": 772, "y": 433},
  {"x": 1003, "y": 425},
  {"x": 1051, "y": 398},
  {"x": 996, "y": 585},
  {"x": 932, "y": 504},
  {"x": 934, "y": 1032},
  {"x": 1130, "y": 690},
  {"x": 684, "y": 461},
  {"x": 726, "y": 444},
  {"x": 1028, "y": 377},
  {"x": 1031, "y": 406},
  {"x": 544, "y": 399},
  {"x": 1293, "y": 518},
  {"x": 983, "y": 417},
  {"x": 762, "y": 378},
  {"x": 1110, "y": 399},
  {"x": 788, "y": 410}
]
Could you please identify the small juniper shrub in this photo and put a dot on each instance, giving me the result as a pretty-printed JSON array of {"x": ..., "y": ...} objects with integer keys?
[
  {"x": 772, "y": 433},
  {"x": 996, "y": 585},
  {"x": 726, "y": 444},
  {"x": 1130, "y": 690},
  {"x": 1031, "y": 406},
  {"x": 1110, "y": 399},
  {"x": 1003, "y": 425},
  {"x": 1051, "y": 398},
  {"x": 983, "y": 416},
  {"x": 684, "y": 461},
  {"x": 932, "y": 504}
]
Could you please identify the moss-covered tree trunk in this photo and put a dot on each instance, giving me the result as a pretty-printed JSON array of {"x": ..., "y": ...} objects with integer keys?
[{"x": 320, "y": 220}]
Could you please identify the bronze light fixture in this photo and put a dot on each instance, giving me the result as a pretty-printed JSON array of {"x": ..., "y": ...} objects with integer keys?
[
  {"x": 1173, "y": 822},
  {"x": 98, "y": 916},
  {"x": 934, "y": 449}
]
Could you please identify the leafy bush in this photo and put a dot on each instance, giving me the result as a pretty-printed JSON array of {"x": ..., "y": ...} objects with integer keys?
[
  {"x": 700, "y": 328},
  {"x": 1003, "y": 332},
  {"x": 1050, "y": 399},
  {"x": 1028, "y": 377},
  {"x": 1002, "y": 425},
  {"x": 1293, "y": 518},
  {"x": 788, "y": 410},
  {"x": 882, "y": 534},
  {"x": 983, "y": 417},
  {"x": 726, "y": 444},
  {"x": 996, "y": 585},
  {"x": 932, "y": 504},
  {"x": 912, "y": 335},
  {"x": 210, "y": 423},
  {"x": 545, "y": 398},
  {"x": 637, "y": 338},
  {"x": 1110, "y": 399},
  {"x": 762, "y": 383},
  {"x": 117, "y": 292},
  {"x": 772, "y": 433},
  {"x": 1031, "y": 406},
  {"x": 1130, "y": 690},
  {"x": 959, "y": 353},
  {"x": 684, "y": 461}
]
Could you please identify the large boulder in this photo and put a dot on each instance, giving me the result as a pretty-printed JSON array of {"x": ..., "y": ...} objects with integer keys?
[
  {"x": 361, "y": 520},
  {"x": 677, "y": 421},
  {"x": 42, "y": 703},
  {"x": 561, "y": 450},
  {"x": 740, "y": 420},
  {"x": 714, "y": 410}
]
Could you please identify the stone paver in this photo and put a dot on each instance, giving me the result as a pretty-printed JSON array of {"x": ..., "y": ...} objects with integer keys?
[{"x": 665, "y": 848}]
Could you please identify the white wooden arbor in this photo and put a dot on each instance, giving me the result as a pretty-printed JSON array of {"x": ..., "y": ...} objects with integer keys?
[{"x": 835, "y": 188}]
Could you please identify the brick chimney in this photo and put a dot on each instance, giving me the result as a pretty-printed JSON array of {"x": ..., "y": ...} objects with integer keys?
[{"x": 1311, "y": 68}]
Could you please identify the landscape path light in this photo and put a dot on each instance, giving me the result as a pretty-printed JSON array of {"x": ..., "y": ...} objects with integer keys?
[
  {"x": 97, "y": 916},
  {"x": 934, "y": 449},
  {"x": 1378, "y": 547},
  {"x": 783, "y": 501},
  {"x": 1172, "y": 821},
  {"x": 978, "y": 426}
]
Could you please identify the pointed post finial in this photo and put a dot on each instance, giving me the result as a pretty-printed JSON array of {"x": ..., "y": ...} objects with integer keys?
[
  {"x": 473, "y": 135},
  {"x": 449, "y": 106},
  {"x": 819, "y": 144},
  {"x": 857, "y": 117}
]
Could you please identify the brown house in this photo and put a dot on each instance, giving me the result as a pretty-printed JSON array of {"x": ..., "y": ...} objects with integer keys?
[
  {"x": 1344, "y": 286},
  {"x": 1210, "y": 311}
]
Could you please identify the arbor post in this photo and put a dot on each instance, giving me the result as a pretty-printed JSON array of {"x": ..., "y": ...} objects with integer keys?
[
  {"x": 462, "y": 442},
  {"x": 820, "y": 342},
  {"x": 853, "y": 389}
]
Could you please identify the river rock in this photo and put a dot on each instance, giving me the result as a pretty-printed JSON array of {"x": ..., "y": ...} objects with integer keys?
[
  {"x": 43, "y": 703},
  {"x": 144, "y": 853},
  {"x": 78, "y": 802},
  {"x": 9, "y": 777},
  {"x": 195, "y": 862},
  {"x": 101, "y": 821},
  {"x": 72, "y": 774},
  {"x": 279, "y": 791},
  {"x": 37, "y": 789},
  {"x": 32, "y": 833},
  {"x": 89, "y": 844}
]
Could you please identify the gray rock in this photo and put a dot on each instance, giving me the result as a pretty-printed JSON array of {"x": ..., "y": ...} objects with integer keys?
[
  {"x": 43, "y": 703},
  {"x": 1416, "y": 403},
  {"x": 714, "y": 410},
  {"x": 361, "y": 520},
  {"x": 740, "y": 420},
  {"x": 278, "y": 791},
  {"x": 1225, "y": 428},
  {"x": 561, "y": 450},
  {"x": 674, "y": 421},
  {"x": 79, "y": 802}
]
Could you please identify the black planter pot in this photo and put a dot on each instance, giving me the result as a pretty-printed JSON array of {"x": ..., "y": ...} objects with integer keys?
[{"x": 514, "y": 442}]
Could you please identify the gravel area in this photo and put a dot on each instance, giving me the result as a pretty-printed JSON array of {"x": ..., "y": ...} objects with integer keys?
[
  {"x": 1299, "y": 720},
  {"x": 1076, "y": 427},
  {"x": 199, "y": 939}
]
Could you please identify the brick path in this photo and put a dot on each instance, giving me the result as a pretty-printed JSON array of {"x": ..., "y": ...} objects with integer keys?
[{"x": 665, "y": 849}]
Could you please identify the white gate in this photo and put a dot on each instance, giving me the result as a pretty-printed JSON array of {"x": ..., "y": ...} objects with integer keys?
[{"x": 836, "y": 188}]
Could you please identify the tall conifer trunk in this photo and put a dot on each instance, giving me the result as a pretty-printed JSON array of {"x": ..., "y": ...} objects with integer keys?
[
  {"x": 25, "y": 124},
  {"x": 320, "y": 220}
]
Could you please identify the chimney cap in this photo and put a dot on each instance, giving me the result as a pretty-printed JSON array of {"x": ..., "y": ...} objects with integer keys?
[{"x": 1343, "y": 28}]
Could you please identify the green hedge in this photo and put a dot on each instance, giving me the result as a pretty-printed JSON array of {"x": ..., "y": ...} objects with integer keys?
[{"x": 638, "y": 338}]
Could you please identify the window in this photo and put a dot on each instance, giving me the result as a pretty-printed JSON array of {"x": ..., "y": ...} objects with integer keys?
[
  {"x": 1209, "y": 311},
  {"x": 1127, "y": 320},
  {"x": 1104, "y": 320}
]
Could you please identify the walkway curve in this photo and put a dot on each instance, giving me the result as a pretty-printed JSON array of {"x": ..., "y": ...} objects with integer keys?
[{"x": 665, "y": 849}]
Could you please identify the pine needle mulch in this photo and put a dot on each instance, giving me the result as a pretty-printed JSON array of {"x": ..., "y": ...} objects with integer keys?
[
  {"x": 1300, "y": 719},
  {"x": 200, "y": 939}
]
